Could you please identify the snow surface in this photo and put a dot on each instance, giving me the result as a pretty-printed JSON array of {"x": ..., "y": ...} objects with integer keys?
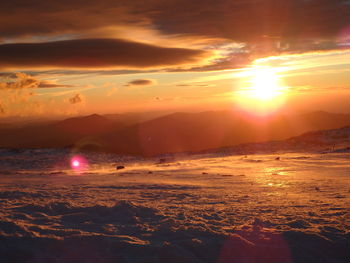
[{"x": 207, "y": 208}]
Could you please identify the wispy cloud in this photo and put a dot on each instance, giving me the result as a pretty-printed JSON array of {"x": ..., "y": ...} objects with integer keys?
[{"x": 309, "y": 88}]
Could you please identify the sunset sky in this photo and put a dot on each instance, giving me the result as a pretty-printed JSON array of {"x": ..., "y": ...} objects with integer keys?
[{"x": 76, "y": 57}]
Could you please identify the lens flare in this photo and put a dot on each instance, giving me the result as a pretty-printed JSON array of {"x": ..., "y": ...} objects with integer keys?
[{"x": 78, "y": 163}]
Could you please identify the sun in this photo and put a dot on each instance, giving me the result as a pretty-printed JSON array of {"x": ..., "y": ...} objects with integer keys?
[
  {"x": 264, "y": 84},
  {"x": 262, "y": 90}
]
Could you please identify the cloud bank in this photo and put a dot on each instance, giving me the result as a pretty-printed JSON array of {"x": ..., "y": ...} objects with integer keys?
[
  {"x": 95, "y": 53},
  {"x": 264, "y": 27},
  {"x": 252, "y": 21}
]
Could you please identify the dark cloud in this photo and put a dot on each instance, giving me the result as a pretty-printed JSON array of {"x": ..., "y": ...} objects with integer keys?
[
  {"x": 36, "y": 17},
  {"x": 254, "y": 20},
  {"x": 94, "y": 53},
  {"x": 240, "y": 20},
  {"x": 77, "y": 98},
  {"x": 48, "y": 84},
  {"x": 266, "y": 27},
  {"x": 141, "y": 82},
  {"x": 101, "y": 71}
]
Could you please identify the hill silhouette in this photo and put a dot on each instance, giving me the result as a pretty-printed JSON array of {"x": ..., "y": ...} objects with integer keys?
[{"x": 177, "y": 132}]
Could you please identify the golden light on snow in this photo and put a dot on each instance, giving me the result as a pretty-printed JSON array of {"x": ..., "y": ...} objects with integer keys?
[{"x": 262, "y": 90}]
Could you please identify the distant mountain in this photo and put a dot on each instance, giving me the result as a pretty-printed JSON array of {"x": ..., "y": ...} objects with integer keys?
[
  {"x": 86, "y": 126},
  {"x": 183, "y": 132},
  {"x": 177, "y": 132},
  {"x": 131, "y": 118},
  {"x": 64, "y": 133}
]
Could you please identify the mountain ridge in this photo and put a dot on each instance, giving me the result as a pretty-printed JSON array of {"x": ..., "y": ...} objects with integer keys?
[{"x": 172, "y": 133}]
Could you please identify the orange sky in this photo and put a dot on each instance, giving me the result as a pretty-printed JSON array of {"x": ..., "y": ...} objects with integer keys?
[{"x": 118, "y": 56}]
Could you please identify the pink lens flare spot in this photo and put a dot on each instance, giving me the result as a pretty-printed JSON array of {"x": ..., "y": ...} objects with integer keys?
[{"x": 78, "y": 163}]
